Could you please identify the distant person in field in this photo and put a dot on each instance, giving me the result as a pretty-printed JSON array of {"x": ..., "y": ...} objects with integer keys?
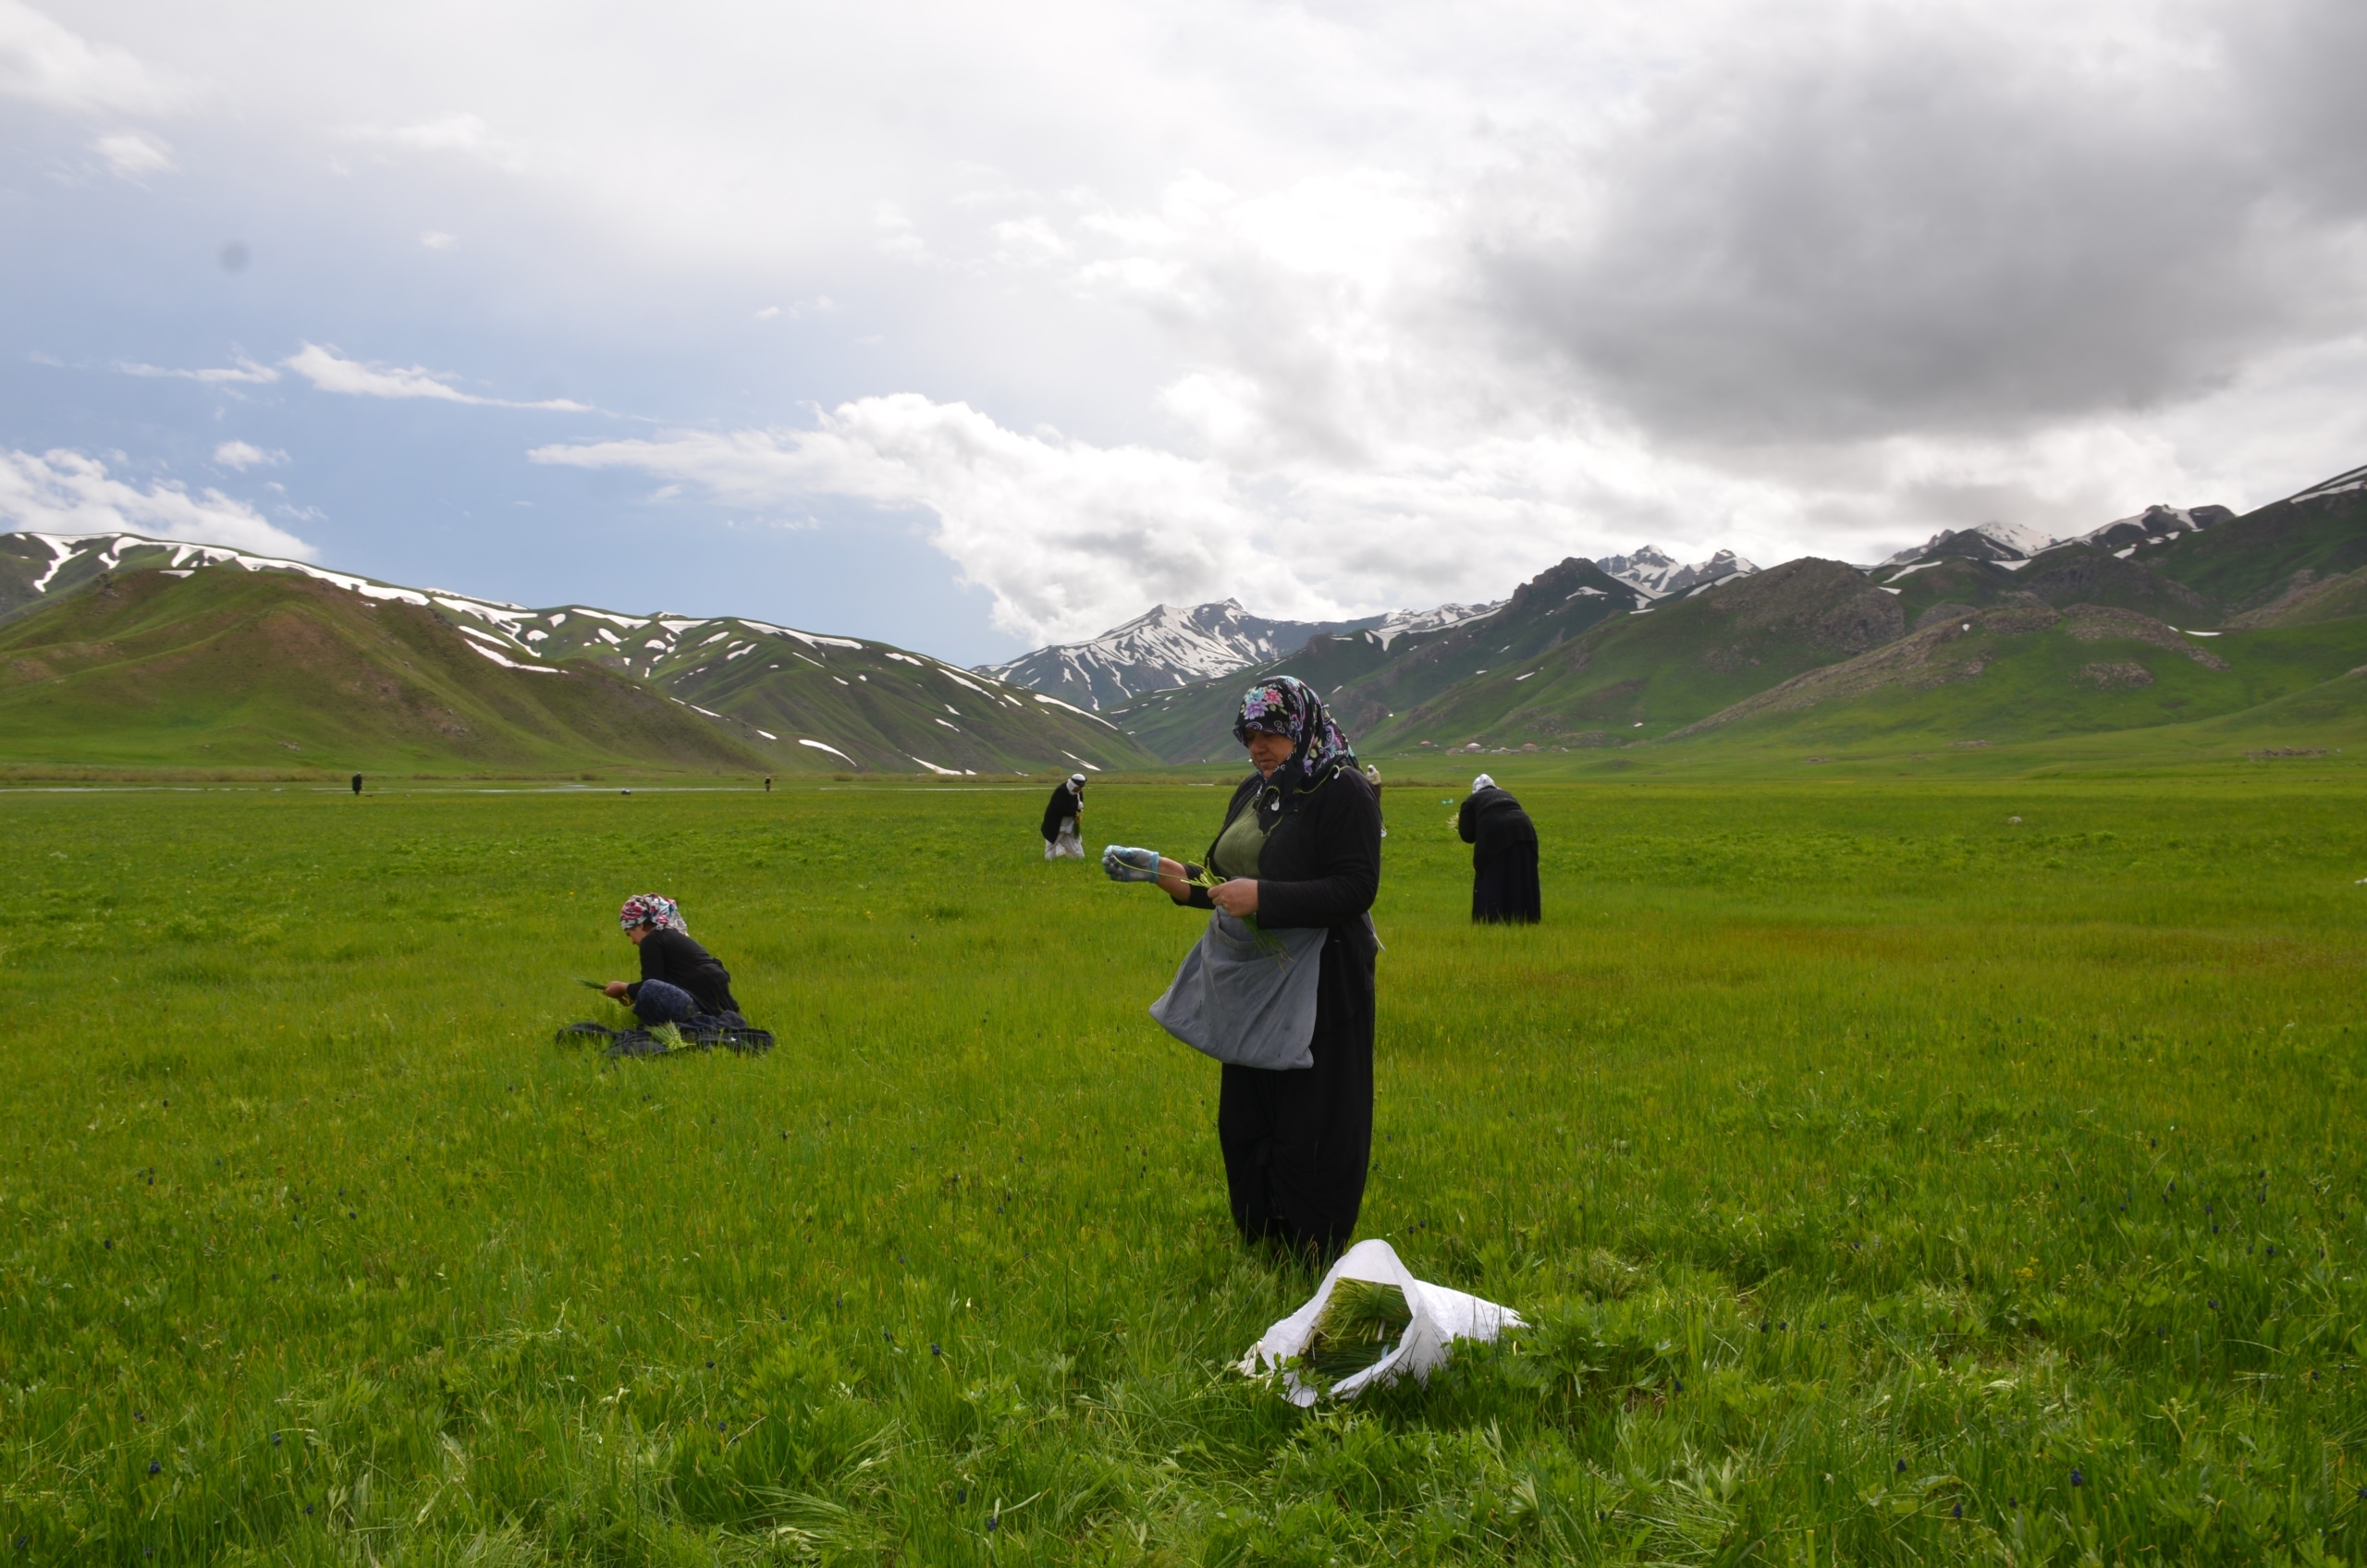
[
  {"x": 679, "y": 980},
  {"x": 1064, "y": 819},
  {"x": 1298, "y": 852},
  {"x": 1504, "y": 856},
  {"x": 356, "y": 783},
  {"x": 1372, "y": 776}
]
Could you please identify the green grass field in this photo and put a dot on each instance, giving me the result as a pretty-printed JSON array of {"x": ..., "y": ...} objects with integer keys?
[{"x": 1885, "y": 1183}]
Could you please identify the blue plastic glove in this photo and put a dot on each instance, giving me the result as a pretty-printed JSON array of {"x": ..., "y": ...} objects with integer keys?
[{"x": 1124, "y": 864}]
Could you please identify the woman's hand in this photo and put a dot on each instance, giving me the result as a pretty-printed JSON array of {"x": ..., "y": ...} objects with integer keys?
[
  {"x": 615, "y": 988},
  {"x": 1237, "y": 898}
]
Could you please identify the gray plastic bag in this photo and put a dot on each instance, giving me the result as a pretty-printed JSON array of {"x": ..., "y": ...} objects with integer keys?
[{"x": 1247, "y": 996}]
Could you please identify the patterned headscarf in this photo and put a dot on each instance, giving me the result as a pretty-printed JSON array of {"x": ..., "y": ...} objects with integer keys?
[
  {"x": 1284, "y": 704},
  {"x": 647, "y": 909}
]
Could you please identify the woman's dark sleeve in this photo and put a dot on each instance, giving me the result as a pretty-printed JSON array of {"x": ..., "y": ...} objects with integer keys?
[
  {"x": 653, "y": 962},
  {"x": 1465, "y": 820},
  {"x": 1347, "y": 863}
]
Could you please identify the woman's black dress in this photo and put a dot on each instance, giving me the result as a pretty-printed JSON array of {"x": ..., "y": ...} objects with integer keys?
[
  {"x": 1298, "y": 1143},
  {"x": 1504, "y": 858},
  {"x": 1065, "y": 802}
]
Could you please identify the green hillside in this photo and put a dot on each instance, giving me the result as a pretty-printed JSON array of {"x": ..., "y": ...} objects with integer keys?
[
  {"x": 230, "y": 669},
  {"x": 829, "y": 703},
  {"x": 2240, "y": 565},
  {"x": 773, "y": 699},
  {"x": 1656, "y": 669},
  {"x": 2020, "y": 674}
]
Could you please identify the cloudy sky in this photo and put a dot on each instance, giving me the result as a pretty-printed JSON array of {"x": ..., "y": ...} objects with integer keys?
[{"x": 973, "y": 327}]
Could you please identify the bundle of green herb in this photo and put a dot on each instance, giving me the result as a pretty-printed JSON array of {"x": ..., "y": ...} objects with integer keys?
[{"x": 1361, "y": 1322}]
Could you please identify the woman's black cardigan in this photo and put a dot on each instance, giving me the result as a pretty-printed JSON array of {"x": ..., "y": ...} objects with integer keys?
[
  {"x": 1492, "y": 822},
  {"x": 1321, "y": 865},
  {"x": 671, "y": 956}
]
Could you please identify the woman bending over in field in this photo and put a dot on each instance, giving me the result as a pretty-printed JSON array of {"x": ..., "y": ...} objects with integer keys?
[
  {"x": 678, "y": 979},
  {"x": 1299, "y": 851}
]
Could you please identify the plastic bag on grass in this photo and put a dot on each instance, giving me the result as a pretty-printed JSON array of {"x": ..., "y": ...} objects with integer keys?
[{"x": 1386, "y": 1324}]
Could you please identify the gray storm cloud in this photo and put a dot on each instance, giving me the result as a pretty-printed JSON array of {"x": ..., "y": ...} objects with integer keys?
[{"x": 1931, "y": 221}]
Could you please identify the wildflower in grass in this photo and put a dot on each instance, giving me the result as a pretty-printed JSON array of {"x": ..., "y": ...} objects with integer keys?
[
  {"x": 154, "y": 1467},
  {"x": 1957, "y": 1512},
  {"x": 2077, "y": 1479}
]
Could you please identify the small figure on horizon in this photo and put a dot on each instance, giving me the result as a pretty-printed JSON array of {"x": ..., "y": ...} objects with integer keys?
[
  {"x": 768, "y": 784},
  {"x": 1504, "y": 856},
  {"x": 1064, "y": 818},
  {"x": 1372, "y": 776},
  {"x": 356, "y": 783}
]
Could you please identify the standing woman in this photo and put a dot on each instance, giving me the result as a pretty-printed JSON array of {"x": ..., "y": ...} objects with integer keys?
[
  {"x": 1064, "y": 818},
  {"x": 1504, "y": 856},
  {"x": 1300, "y": 849}
]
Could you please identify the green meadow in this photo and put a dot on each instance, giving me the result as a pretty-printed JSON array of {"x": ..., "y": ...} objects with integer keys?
[{"x": 1884, "y": 1182}]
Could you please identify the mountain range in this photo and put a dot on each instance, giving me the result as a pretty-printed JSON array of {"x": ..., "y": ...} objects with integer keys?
[
  {"x": 122, "y": 652},
  {"x": 2169, "y": 617},
  {"x": 119, "y": 651}
]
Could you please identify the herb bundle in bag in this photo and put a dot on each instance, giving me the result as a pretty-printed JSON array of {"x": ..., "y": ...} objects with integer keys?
[{"x": 1361, "y": 1322}]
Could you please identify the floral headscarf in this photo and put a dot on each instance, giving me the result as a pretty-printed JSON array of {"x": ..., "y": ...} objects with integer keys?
[
  {"x": 1284, "y": 704},
  {"x": 652, "y": 909}
]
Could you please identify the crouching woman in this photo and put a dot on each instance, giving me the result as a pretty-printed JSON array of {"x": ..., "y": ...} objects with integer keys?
[
  {"x": 1298, "y": 857},
  {"x": 680, "y": 979}
]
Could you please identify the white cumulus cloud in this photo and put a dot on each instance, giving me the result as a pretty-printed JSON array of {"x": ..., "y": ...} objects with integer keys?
[
  {"x": 244, "y": 371},
  {"x": 130, "y": 153},
  {"x": 50, "y": 64},
  {"x": 242, "y": 456},
  {"x": 66, "y": 492},
  {"x": 465, "y": 134},
  {"x": 329, "y": 371}
]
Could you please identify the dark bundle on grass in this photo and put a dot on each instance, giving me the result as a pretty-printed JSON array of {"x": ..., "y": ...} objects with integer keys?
[{"x": 1360, "y": 1324}]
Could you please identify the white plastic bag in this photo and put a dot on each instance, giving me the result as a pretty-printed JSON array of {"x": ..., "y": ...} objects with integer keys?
[{"x": 1439, "y": 1317}]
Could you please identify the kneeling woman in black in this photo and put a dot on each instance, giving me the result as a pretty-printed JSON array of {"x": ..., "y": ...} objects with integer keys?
[{"x": 1300, "y": 847}]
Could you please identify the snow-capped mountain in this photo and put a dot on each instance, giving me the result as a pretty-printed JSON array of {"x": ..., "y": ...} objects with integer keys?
[
  {"x": 1408, "y": 623},
  {"x": 1982, "y": 541},
  {"x": 2011, "y": 542},
  {"x": 1161, "y": 648},
  {"x": 2154, "y": 525},
  {"x": 1660, "y": 574}
]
